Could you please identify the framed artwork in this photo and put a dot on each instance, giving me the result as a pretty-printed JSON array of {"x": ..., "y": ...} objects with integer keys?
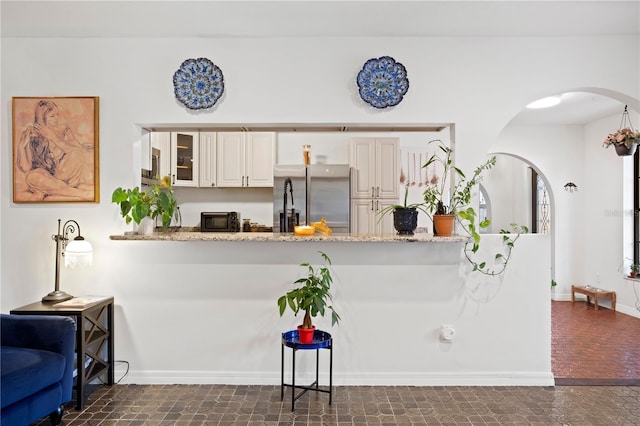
[{"x": 55, "y": 149}]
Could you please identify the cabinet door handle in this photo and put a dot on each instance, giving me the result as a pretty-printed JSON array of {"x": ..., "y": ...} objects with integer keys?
[
  {"x": 377, "y": 191},
  {"x": 377, "y": 205},
  {"x": 373, "y": 194},
  {"x": 173, "y": 179},
  {"x": 371, "y": 205},
  {"x": 242, "y": 180},
  {"x": 247, "y": 181}
]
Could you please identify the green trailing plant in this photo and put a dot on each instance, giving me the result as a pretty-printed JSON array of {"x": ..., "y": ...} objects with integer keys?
[
  {"x": 553, "y": 283},
  {"x": 500, "y": 259},
  {"x": 457, "y": 204},
  {"x": 158, "y": 202},
  {"x": 313, "y": 296}
]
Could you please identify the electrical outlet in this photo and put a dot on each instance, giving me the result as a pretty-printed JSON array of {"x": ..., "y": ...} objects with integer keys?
[{"x": 447, "y": 332}]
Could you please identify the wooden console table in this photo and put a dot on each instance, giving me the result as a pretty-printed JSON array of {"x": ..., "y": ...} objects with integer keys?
[
  {"x": 594, "y": 292},
  {"x": 94, "y": 339}
]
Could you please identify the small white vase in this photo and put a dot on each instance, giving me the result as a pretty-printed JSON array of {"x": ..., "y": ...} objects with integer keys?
[{"x": 146, "y": 226}]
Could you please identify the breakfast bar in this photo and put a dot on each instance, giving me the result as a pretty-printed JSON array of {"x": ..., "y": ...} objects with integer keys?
[
  {"x": 225, "y": 286},
  {"x": 281, "y": 237}
]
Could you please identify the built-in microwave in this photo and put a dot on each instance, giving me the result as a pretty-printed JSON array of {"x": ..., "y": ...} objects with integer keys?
[
  {"x": 150, "y": 177},
  {"x": 220, "y": 222}
]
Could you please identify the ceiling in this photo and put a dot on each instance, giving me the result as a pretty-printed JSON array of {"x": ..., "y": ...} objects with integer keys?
[
  {"x": 575, "y": 108},
  {"x": 241, "y": 18}
]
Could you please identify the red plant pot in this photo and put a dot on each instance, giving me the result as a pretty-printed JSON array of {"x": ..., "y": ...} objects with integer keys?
[{"x": 305, "y": 335}]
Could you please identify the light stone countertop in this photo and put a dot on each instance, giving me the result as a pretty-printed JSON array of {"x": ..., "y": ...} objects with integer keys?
[{"x": 277, "y": 237}]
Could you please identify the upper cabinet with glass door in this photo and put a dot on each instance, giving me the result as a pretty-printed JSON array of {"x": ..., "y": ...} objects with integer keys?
[
  {"x": 184, "y": 158},
  {"x": 216, "y": 159}
]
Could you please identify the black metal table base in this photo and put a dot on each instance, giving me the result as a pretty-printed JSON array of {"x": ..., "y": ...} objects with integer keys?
[{"x": 321, "y": 340}]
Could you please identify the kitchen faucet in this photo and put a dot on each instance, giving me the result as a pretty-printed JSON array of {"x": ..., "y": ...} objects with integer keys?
[{"x": 286, "y": 221}]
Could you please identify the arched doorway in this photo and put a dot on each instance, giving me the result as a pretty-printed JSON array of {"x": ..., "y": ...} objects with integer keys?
[{"x": 566, "y": 237}]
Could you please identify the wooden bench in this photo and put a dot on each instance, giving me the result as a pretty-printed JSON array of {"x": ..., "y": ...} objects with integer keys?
[{"x": 594, "y": 292}]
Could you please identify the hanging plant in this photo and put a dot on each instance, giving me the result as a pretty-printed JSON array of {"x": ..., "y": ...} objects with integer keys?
[{"x": 625, "y": 139}]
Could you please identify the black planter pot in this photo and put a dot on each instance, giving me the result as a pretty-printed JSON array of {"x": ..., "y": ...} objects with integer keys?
[
  {"x": 623, "y": 151},
  {"x": 405, "y": 220}
]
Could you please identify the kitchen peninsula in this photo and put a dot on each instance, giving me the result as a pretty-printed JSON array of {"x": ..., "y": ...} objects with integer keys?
[
  {"x": 281, "y": 237},
  {"x": 213, "y": 296}
]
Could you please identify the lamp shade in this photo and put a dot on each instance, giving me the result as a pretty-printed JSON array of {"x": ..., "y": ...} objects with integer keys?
[{"x": 78, "y": 252}]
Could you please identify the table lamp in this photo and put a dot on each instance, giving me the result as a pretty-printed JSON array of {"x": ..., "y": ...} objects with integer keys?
[{"x": 76, "y": 252}]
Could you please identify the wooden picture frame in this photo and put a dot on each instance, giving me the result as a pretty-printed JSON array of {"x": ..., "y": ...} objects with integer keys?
[{"x": 55, "y": 149}]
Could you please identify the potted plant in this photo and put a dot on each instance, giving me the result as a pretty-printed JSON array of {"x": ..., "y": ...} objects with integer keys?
[
  {"x": 451, "y": 203},
  {"x": 624, "y": 140},
  {"x": 312, "y": 297},
  {"x": 634, "y": 268},
  {"x": 158, "y": 202},
  {"x": 405, "y": 216},
  {"x": 442, "y": 200}
]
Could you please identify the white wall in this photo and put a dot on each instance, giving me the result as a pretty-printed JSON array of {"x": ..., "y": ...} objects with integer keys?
[
  {"x": 479, "y": 84},
  {"x": 556, "y": 152},
  {"x": 589, "y": 238},
  {"x": 608, "y": 226},
  {"x": 508, "y": 188}
]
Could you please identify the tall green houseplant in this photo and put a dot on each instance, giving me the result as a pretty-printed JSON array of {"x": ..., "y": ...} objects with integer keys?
[
  {"x": 441, "y": 198},
  {"x": 313, "y": 296}
]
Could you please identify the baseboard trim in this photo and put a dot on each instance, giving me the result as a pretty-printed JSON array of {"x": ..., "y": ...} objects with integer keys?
[
  {"x": 359, "y": 379},
  {"x": 606, "y": 304},
  {"x": 567, "y": 381}
]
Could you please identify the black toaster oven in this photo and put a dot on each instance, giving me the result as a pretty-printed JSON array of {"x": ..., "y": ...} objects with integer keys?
[{"x": 219, "y": 222}]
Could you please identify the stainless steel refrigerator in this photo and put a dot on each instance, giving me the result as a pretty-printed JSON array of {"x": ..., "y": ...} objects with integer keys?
[{"x": 329, "y": 196}]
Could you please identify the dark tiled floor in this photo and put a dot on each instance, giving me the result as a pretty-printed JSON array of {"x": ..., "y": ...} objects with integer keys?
[
  {"x": 363, "y": 405},
  {"x": 588, "y": 347}
]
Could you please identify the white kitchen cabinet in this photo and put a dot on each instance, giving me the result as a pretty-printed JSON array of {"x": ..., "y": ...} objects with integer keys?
[
  {"x": 230, "y": 166},
  {"x": 375, "y": 163},
  {"x": 260, "y": 156},
  {"x": 208, "y": 160},
  {"x": 245, "y": 159},
  {"x": 366, "y": 217},
  {"x": 374, "y": 183},
  {"x": 185, "y": 158}
]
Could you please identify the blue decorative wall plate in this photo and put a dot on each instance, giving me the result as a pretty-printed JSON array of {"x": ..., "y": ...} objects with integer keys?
[
  {"x": 198, "y": 83},
  {"x": 383, "y": 82}
]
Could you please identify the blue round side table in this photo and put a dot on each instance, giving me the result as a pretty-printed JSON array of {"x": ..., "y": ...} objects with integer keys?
[{"x": 321, "y": 340}]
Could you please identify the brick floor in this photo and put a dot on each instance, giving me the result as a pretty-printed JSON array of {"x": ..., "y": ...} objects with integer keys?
[{"x": 590, "y": 344}]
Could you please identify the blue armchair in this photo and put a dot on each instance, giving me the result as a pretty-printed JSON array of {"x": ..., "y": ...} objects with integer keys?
[{"x": 36, "y": 369}]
